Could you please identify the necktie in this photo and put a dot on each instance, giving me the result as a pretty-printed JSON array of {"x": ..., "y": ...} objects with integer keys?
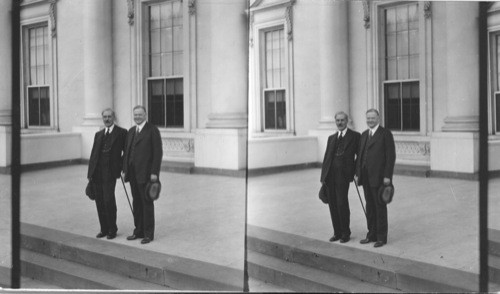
[
  {"x": 370, "y": 135},
  {"x": 107, "y": 132}
]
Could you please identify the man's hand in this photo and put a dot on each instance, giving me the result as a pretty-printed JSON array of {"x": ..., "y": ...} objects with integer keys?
[
  {"x": 356, "y": 179},
  {"x": 154, "y": 178},
  {"x": 387, "y": 181},
  {"x": 123, "y": 174}
]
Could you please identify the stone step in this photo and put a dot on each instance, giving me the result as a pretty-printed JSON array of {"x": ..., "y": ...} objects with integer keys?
[
  {"x": 260, "y": 286},
  {"x": 71, "y": 275},
  {"x": 26, "y": 283},
  {"x": 305, "y": 279},
  {"x": 153, "y": 267},
  {"x": 379, "y": 269},
  {"x": 494, "y": 242}
]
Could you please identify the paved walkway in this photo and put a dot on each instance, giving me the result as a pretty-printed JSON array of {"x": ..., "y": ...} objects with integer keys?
[
  {"x": 430, "y": 220},
  {"x": 197, "y": 216}
]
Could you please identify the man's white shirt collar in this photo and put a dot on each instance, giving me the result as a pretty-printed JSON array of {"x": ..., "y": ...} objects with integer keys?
[
  {"x": 375, "y": 128},
  {"x": 139, "y": 127},
  {"x": 342, "y": 132},
  {"x": 109, "y": 130}
]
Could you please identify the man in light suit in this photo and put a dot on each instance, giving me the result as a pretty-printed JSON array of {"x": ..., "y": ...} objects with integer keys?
[
  {"x": 105, "y": 166},
  {"x": 337, "y": 172},
  {"x": 141, "y": 164},
  {"x": 374, "y": 168}
]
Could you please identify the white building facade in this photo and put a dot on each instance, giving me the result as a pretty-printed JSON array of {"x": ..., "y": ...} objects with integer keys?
[
  {"x": 184, "y": 60},
  {"x": 417, "y": 62}
]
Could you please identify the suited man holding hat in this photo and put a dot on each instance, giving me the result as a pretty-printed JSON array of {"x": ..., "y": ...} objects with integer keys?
[
  {"x": 105, "y": 165},
  {"x": 141, "y": 165},
  {"x": 336, "y": 174},
  {"x": 374, "y": 170}
]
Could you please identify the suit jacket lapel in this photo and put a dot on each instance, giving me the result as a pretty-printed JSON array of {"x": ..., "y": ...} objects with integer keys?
[{"x": 376, "y": 136}]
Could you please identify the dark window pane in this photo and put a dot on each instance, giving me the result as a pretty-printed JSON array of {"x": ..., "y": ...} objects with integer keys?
[
  {"x": 156, "y": 103},
  {"x": 179, "y": 103},
  {"x": 270, "y": 109},
  {"x": 280, "y": 110},
  {"x": 411, "y": 107},
  {"x": 44, "y": 106},
  {"x": 392, "y": 106},
  {"x": 34, "y": 106},
  {"x": 497, "y": 112}
]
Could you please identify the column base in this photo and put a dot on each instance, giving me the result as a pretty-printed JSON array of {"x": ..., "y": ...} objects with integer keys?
[
  {"x": 5, "y": 146},
  {"x": 455, "y": 152},
  {"x": 220, "y": 148},
  {"x": 227, "y": 121},
  {"x": 87, "y": 138},
  {"x": 461, "y": 124}
]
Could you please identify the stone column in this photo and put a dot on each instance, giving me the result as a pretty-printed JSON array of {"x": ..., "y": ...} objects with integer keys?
[
  {"x": 226, "y": 128},
  {"x": 97, "y": 54},
  {"x": 5, "y": 85},
  {"x": 462, "y": 66},
  {"x": 455, "y": 149},
  {"x": 229, "y": 66},
  {"x": 334, "y": 68},
  {"x": 98, "y": 68}
]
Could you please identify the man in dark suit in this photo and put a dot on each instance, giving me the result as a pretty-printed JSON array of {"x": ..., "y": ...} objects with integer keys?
[
  {"x": 141, "y": 164},
  {"x": 337, "y": 172},
  {"x": 374, "y": 168},
  {"x": 105, "y": 166}
]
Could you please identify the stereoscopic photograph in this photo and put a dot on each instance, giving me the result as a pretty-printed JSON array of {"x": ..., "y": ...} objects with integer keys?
[{"x": 249, "y": 146}]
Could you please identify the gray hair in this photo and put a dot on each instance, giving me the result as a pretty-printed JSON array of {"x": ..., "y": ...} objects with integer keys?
[
  {"x": 373, "y": 110},
  {"x": 109, "y": 109},
  {"x": 343, "y": 113},
  {"x": 141, "y": 107}
]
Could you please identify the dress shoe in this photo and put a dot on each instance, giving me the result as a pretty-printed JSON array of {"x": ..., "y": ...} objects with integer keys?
[
  {"x": 100, "y": 235},
  {"x": 146, "y": 240},
  {"x": 366, "y": 241},
  {"x": 345, "y": 239},
  {"x": 111, "y": 236},
  {"x": 334, "y": 238},
  {"x": 133, "y": 237},
  {"x": 379, "y": 244}
]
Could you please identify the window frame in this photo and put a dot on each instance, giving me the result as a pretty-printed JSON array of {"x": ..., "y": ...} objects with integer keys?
[
  {"x": 141, "y": 59},
  {"x": 377, "y": 60},
  {"x": 493, "y": 79},
  {"x": 27, "y": 24},
  {"x": 258, "y": 50}
]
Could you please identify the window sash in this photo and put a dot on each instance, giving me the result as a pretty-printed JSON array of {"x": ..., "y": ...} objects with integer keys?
[
  {"x": 165, "y": 32},
  {"x": 402, "y": 106},
  {"x": 401, "y": 41},
  {"x": 38, "y": 105},
  {"x": 496, "y": 111},
  {"x": 166, "y": 102},
  {"x": 275, "y": 109}
]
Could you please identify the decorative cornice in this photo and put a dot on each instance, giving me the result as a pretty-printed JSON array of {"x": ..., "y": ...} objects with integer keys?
[
  {"x": 53, "y": 14},
  {"x": 366, "y": 14},
  {"x": 289, "y": 19},
  {"x": 131, "y": 11},
  {"x": 192, "y": 7},
  {"x": 427, "y": 9}
]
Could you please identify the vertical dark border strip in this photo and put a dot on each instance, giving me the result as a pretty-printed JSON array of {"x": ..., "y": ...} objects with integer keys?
[
  {"x": 483, "y": 147},
  {"x": 16, "y": 144},
  {"x": 246, "y": 286}
]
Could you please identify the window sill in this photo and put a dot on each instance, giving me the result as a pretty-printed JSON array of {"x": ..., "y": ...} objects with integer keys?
[{"x": 271, "y": 134}]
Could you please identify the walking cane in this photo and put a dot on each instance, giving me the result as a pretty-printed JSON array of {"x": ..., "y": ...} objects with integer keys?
[
  {"x": 356, "y": 185},
  {"x": 123, "y": 182}
]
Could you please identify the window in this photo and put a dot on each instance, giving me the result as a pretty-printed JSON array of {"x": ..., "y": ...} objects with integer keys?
[
  {"x": 275, "y": 80},
  {"x": 401, "y": 56},
  {"x": 496, "y": 82},
  {"x": 165, "y": 52},
  {"x": 37, "y": 75}
]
